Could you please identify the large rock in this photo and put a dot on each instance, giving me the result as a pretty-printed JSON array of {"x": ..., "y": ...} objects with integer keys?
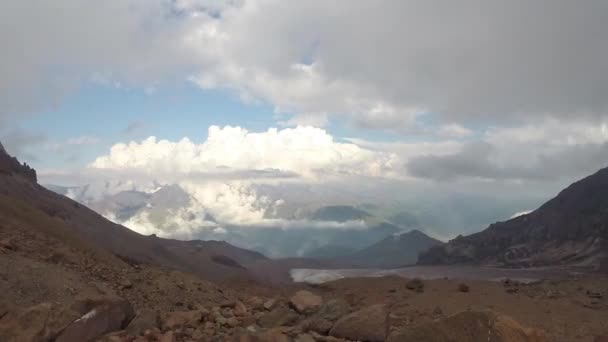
[
  {"x": 470, "y": 326},
  {"x": 42, "y": 322},
  {"x": 272, "y": 335},
  {"x": 305, "y": 302},
  {"x": 178, "y": 319},
  {"x": 277, "y": 317},
  {"x": 369, "y": 324},
  {"x": 334, "y": 309},
  {"x": 111, "y": 315},
  {"x": 323, "y": 320},
  {"x": 145, "y": 320}
]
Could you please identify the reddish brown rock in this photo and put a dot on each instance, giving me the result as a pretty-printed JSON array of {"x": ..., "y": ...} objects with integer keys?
[
  {"x": 369, "y": 324},
  {"x": 144, "y": 320},
  {"x": 104, "y": 318},
  {"x": 470, "y": 326},
  {"x": 178, "y": 319},
  {"x": 305, "y": 302},
  {"x": 41, "y": 322}
]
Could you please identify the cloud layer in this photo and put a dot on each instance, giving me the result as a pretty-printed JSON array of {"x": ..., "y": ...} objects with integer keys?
[
  {"x": 380, "y": 64},
  {"x": 304, "y": 151}
]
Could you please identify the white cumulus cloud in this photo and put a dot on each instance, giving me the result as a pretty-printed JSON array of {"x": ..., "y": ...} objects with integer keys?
[{"x": 307, "y": 151}]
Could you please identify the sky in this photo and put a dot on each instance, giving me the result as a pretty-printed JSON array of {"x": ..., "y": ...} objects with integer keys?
[{"x": 407, "y": 103}]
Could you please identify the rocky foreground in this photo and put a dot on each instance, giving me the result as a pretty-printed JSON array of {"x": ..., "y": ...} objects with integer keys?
[{"x": 147, "y": 304}]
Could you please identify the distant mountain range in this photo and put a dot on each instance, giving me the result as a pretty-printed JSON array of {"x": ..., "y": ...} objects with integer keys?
[
  {"x": 325, "y": 233},
  {"x": 28, "y": 209},
  {"x": 570, "y": 229},
  {"x": 394, "y": 251}
]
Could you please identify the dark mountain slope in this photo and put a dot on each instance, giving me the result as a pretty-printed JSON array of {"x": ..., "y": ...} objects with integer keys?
[
  {"x": 25, "y": 205},
  {"x": 394, "y": 251},
  {"x": 571, "y": 228}
]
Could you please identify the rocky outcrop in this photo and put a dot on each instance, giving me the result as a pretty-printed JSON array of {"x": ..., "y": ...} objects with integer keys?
[
  {"x": 39, "y": 323},
  {"x": 571, "y": 229},
  {"x": 144, "y": 320},
  {"x": 108, "y": 316},
  {"x": 11, "y": 166},
  {"x": 55, "y": 322},
  {"x": 471, "y": 326}
]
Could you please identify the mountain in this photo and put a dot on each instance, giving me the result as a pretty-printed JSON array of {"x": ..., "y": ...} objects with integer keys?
[
  {"x": 570, "y": 229},
  {"x": 171, "y": 210},
  {"x": 396, "y": 250},
  {"x": 339, "y": 213},
  {"x": 11, "y": 166},
  {"x": 30, "y": 212}
]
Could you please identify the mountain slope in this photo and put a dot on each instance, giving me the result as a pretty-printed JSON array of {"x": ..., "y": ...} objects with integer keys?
[
  {"x": 394, "y": 251},
  {"x": 571, "y": 228},
  {"x": 27, "y": 206}
]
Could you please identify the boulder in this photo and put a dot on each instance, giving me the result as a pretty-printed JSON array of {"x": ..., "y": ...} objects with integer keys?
[
  {"x": 272, "y": 335},
  {"x": 109, "y": 316},
  {"x": 471, "y": 326},
  {"x": 240, "y": 309},
  {"x": 334, "y": 309},
  {"x": 169, "y": 336},
  {"x": 255, "y": 303},
  {"x": 42, "y": 322},
  {"x": 305, "y": 338},
  {"x": 144, "y": 320},
  {"x": 317, "y": 324},
  {"x": 270, "y": 304},
  {"x": 369, "y": 324},
  {"x": 305, "y": 302},
  {"x": 177, "y": 319},
  {"x": 463, "y": 288},
  {"x": 277, "y": 317},
  {"x": 415, "y": 285}
]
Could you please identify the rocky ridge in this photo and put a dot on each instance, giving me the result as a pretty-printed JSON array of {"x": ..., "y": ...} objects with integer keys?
[{"x": 570, "y": 229}]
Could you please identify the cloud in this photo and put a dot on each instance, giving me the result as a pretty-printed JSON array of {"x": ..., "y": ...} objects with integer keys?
[
  {"x": 374, "y": 64},
  {"x": 521, "y": 213},
  {"x": 62, "y": 146},
  {"x": 305, "y": 151},
  {"x": 546, "y": 150},
  {"x": 19, "y": 142},
  {"x": 50, "y": 48},
  {"x": 382, "y": 64},
  {"x": 223, "y": 174}
]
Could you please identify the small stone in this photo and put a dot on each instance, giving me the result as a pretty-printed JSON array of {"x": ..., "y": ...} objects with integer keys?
[
  {"x": 463, "y": 287},
  {"x": 232, "y": 322},
  {"x": 305, "y": 338},
  {"x": 240, "y": 309},
  {"x": 269, "y": 304},
  {"x": 167, "y": 337},
  {"x": 415, "y": 285},
  {"x": 369, "y": 324},
  {"x": 255, "y": 303},
  {"x": 126, "y": 284}
]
